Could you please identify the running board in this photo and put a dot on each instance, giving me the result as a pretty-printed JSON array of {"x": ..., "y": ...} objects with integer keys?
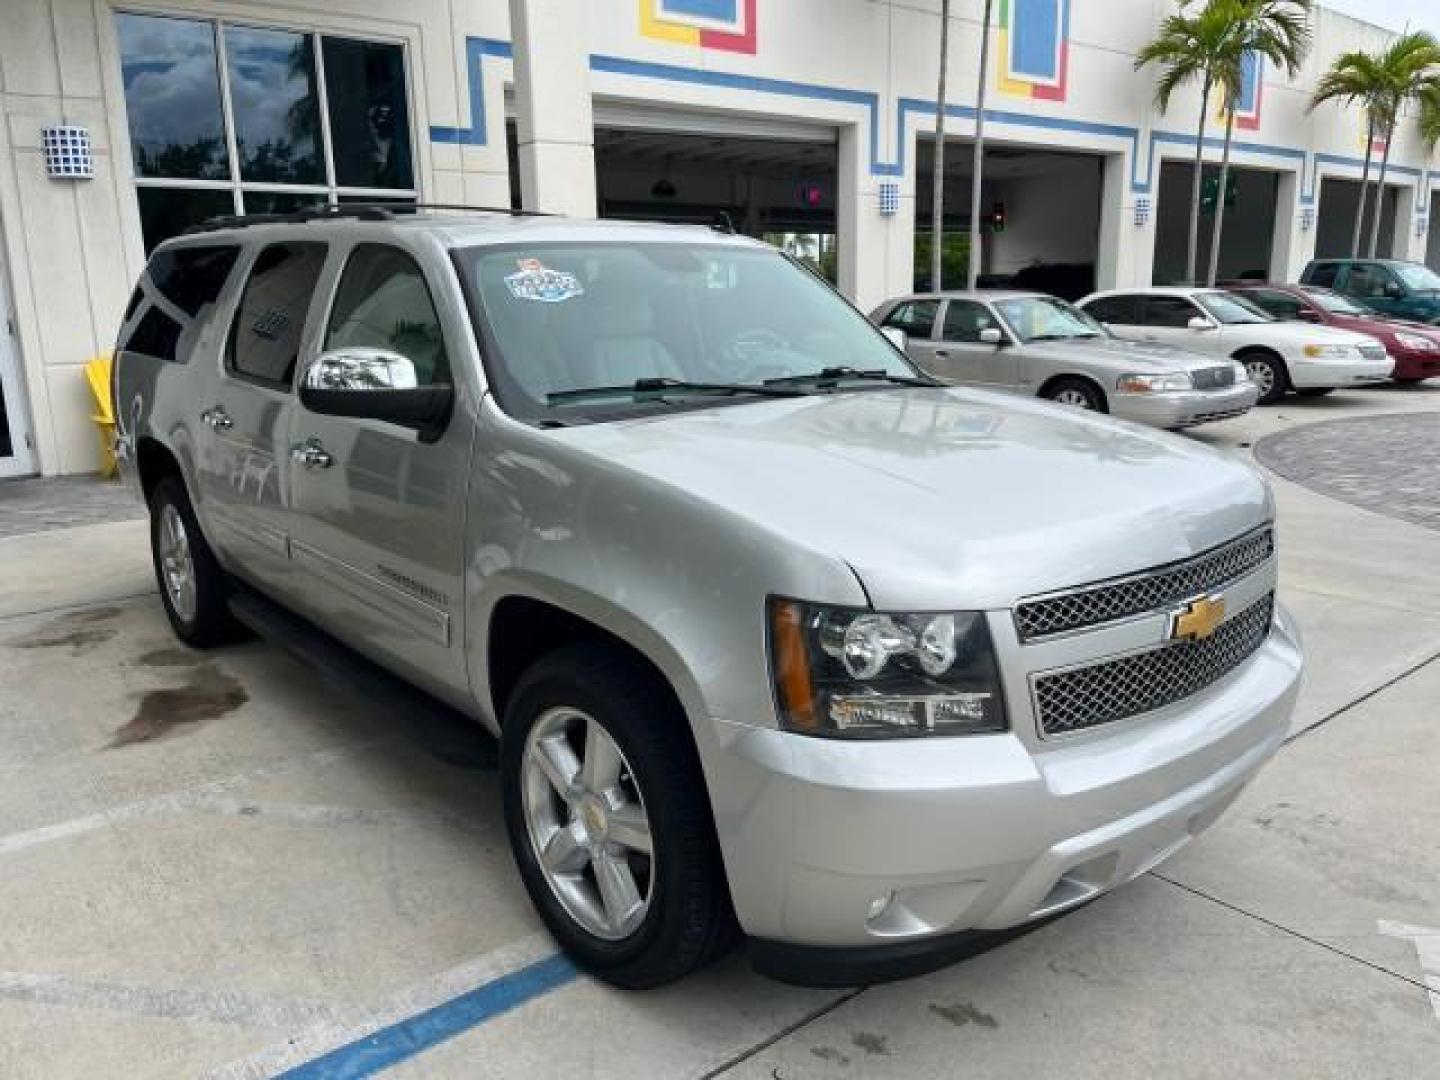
[{"x": 441, "y": 731}]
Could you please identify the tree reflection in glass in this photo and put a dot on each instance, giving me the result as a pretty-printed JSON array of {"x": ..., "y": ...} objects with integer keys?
[
  {"x": 172, "y": 97},
  {"x": 273, "y": 97}
]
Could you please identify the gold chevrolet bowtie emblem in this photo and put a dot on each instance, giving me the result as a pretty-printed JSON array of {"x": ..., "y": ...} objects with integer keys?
[{"x": 1198, "y": 619}]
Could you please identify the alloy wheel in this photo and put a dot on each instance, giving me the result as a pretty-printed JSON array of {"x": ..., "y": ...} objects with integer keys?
[
  {"x": 587, "y": 824},
  {"x": 1262, "y": 375},
  {"x": 1071, "y": 396},
  {"x": 177, "y": 563}
]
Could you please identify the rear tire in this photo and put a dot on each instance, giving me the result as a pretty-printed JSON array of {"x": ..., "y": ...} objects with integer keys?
[
  {"x": 596, "y": 763},
  {"x": 193, "y": 588},
  {"x": 1076, "y": 393},
  {"x": 1268, "y": 373}
]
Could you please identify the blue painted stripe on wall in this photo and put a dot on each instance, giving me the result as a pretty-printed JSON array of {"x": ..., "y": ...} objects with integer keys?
[
  {"x": 474, "y": 135},
  {"x": 399, "y": 1042}
]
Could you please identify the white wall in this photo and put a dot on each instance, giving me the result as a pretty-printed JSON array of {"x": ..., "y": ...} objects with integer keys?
[{"x": 1053, "y": 218}]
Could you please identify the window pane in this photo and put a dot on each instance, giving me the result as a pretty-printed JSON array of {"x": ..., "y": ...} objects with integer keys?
[
  {"x": 172, "y": 97},
  {"x": 192, "y": 277},
  {"x": 369, "y": 122},
  {"x": 272, "y": 93},
  {"x": 165, "y": 212},
  {"x": 265, "y": 341},
  {"x": 964, "y": 320},
  {"x": 156, "y": 335},
  {"x": 384, "y": 303},
  {"x": 1169, "y": 311},
  {"x": 915, "y": 317},
  {"x": 282, "y": 202}
]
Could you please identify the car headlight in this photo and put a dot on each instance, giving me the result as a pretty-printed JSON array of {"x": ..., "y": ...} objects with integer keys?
[
  {"x": 1330, "y": 352},
  {"x": 1418, "y": 343},
  {"x": 859, "y": 674},
  {"x": 1154, "y": 384}
]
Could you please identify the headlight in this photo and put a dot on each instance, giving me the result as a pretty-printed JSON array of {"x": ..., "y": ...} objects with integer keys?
[
  {"x": 1154, "y": 384},
  {"x": 1330, "y": 352},
  {"x": 1242, "y": 373},
  {"x": 857, "y": 674},
  {"x": 1418, "y": 343}
]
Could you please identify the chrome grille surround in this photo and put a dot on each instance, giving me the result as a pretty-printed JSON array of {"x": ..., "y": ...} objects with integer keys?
[
  {"x": 1373, "y": 352},
  {"x": 1080, "y": 698},
  {"x": 1138, "y": 594},
  {"x": 1213, "y": 378}
]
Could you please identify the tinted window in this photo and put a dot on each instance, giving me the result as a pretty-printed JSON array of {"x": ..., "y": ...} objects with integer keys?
[
  {"x": 915, "y": 317},
  {"x": 1279, "y": 304},
  {"x": 277, "y": 115},
  {"x": 1324, "y": 274},
  {"x": 155, "y": 335},
  {"x": 192, "y": 277},
  {"x": 964, "y": 319},
  {"x": 1230, "y": 309},
  {"x": 384, "y": 303},
  {"x": 265, "y": 340},
  {"x": 1367, "y": 281},
  {"x": 1118, "y": 310},
  {"x": 172, "y": 97},
  {"x": 1169, "y": 311},
  {"x": 369, "y": 123}
]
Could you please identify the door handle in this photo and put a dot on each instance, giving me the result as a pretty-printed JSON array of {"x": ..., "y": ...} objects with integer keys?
[
  {"x": 217, "y": 418},
  {"x": 942, "y": 353},
  {"x": 312, "y": 454}
]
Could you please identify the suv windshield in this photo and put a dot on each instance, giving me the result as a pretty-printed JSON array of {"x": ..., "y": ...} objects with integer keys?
[
  {"x": 616, "y": 327},
  {"x": 1045, "y": 318},
  {"x": 1231, "y": 310},
  {"x": 1418, "y": 278},
  {"x": 1337, "y": 304}
]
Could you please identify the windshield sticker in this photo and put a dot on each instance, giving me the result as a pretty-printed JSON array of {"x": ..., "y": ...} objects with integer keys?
[{"x": 536, "y": 281}]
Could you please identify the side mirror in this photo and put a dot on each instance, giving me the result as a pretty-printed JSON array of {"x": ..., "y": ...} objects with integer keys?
[
  {"x": 375, "y": 384},
  {"x": 991, "y": 335},
  {"x": 898, "y": 337},
  {"x": 1197, "y": 323}
]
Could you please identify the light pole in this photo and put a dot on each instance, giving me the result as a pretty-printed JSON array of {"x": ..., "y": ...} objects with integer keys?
[
  {"x": 937, "y": 197},
  {"x": 978, "y": 168}
]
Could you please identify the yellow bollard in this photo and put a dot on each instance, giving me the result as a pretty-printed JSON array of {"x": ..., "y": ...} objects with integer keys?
[{"x": 97, "y": 374}]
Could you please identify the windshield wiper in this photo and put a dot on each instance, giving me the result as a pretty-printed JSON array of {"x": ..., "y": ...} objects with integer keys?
[
  {"x": 831, "y": 375},
  {"x": 658, "y": 386}
]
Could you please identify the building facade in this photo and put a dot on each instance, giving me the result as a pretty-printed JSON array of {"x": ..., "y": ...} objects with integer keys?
[{"x": 806, "y": 121}]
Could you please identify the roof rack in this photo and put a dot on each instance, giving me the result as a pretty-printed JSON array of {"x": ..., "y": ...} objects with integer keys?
[{"x": 359, "y": 211}]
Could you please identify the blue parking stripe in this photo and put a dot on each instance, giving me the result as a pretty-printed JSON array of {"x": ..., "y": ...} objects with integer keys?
[{"x": 399, "y": 1042}]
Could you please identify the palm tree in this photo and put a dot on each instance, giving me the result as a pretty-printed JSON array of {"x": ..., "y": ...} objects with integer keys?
[
  {"x": 937, "y": 178},
  {"x": 1429, "y": 138},
  {"x": 1209, "y": 46},
  {"x": 1384, "y": 83},
  {"x": 1274, "y": 30}
]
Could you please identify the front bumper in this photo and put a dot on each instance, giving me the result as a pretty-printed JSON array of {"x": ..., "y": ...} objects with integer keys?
[
  {"x": 1413, "y": 364},
  {"x": 903, "y": 847},
  {"x": 1185, "y": 408},
  {"x": 1307, "y": 373}
]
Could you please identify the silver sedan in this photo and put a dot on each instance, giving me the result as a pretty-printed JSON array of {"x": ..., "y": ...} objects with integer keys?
[{"x": 1030, "y": 343}]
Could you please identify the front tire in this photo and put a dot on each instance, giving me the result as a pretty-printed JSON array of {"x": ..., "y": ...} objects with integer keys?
[
  {"x": 1268, "y": 373},
  {"x": 194, "y": 588},
  {"x": 1315, "y": 391},
  {"x": 609, "y": 821},
  {"x": 1076, "y": 393}
]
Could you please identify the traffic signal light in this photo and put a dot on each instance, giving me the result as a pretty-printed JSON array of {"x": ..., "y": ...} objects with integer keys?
[{"x": 997, "y": 218}]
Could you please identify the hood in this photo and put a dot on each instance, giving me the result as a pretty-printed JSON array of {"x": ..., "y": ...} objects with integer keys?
[
  {"x": 1138, "y": 357},
  {"x": 948, "y": 498}
]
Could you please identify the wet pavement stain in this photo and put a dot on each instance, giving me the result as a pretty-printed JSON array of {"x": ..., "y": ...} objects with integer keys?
[
  {"x": 79, "y": 631},
  {"x": 871, "y": 1043},
  {"x": 208, "y": 695},
  {"x": 830, "y": 1054},
  {"x": 964, "y": 1013},
  {"x": 171, "y": 658}
]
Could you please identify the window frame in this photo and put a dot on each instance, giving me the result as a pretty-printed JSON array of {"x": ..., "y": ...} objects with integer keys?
[
  {"x": 228, "y": 369},
  {"x": 329, "y": 190}
]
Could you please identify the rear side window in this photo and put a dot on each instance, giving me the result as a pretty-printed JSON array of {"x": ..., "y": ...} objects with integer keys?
[
  {"x": 265, "y": 340},
  {"x": 384, "y": 303},
  {"x": 915, "y": 317},
  {"x": 191, "y": 279},
  {"x": 1281, "y": 305},
  {"x": 1324, "y": 274},
  {"x": 1117, "y": 310}
]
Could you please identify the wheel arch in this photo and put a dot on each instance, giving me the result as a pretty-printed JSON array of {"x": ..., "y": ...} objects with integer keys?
[{"x": 1075, "y": 377}]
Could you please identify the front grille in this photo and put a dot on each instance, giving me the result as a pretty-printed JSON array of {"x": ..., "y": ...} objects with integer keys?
[
  {"x": 1214, "y": 378},
  {"x": 1373, "y": 352},
  {"x": 1086, "y": 697},
  {"x": 1106, "y": 601}
]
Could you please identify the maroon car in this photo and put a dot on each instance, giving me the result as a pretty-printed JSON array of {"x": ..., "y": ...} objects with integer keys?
[{"x": 1414, "y": 346}]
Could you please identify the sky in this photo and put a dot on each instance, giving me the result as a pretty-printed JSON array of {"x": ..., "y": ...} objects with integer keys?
[{"x": 1420, "y": 14}]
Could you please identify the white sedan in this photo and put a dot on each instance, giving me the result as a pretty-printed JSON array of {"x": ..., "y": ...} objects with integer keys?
[{"x": 1280, "y": 356}]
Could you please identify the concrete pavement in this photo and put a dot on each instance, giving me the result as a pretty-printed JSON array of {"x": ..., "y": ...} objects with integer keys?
[{"x": 220, "y": 865}]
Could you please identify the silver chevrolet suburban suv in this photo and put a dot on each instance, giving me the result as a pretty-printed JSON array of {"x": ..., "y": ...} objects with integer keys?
[{"x": 776, "y": 634}]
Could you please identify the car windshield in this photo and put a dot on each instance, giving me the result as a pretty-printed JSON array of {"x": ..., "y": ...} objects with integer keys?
[
  {"x": 1419, "y": 278},
  {"x": 1337, "y": 304},
  {"x": 1045, "y": 318},
  {"x": 1231, "y": 310},
  {"x": 614, "y": 327}
]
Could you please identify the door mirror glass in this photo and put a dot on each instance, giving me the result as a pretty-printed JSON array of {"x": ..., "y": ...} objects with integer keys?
[
  {"x": 375, "y": 384},
  {"x": 991, "y": 335},
  {"x": 1197, "y": 323},
  {"x": 898, "y": 337}
]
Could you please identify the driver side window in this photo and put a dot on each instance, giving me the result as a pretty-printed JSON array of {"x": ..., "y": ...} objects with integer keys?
[
  {"x": 383, "y": 303},
  {"x": 1368, "y": 281},
  {"x": 965, "y": 319}
]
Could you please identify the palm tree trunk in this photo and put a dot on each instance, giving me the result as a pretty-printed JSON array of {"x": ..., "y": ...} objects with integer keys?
[
  {"x": 977, "y": 176},
  {"x": 1220, "y": 199},
  {"x": 937, "y": 180},
  {"x": 1380, "y": 191},
  {"x": 1364, "y": 189},
  {"x": 1192, "y": 243}
]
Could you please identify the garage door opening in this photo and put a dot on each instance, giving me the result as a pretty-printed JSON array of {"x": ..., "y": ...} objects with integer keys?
[
  {"x": 1335, "y": 219},
  {"x": 1040, "y": 217},
  {"x": 777, "y": 189},
  {"x": 1249, "y": 227}
]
